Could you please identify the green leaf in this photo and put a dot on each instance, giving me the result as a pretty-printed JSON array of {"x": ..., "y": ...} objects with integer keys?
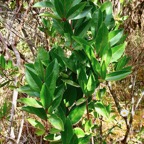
[
  {"x": 118, "y": 75},
  {"x": 45, "y": 96},
  {"x": 79, "y": 132},
  {"x": 30, "y": 102},
  {"x": 106, "y": 56},
  {"x": 89, "y": 52},
  {"x": 56, "y": 122},
  {"x": 88, "y": 125},
  {"x": 83, "y": 28},
  {"x": 101, "y": 109},
  {"x": 77, "y": 112},
  {"x": 43, "y": 55},
  {"x": 121, "y": 63},
  {"x": 82, "y": 79},
  {"x": 103, "y": 70},
  {"x": 2, "y": 62},
  {"x": 67, "y": 134},
  {"x": 96, "y": 66},
  {"x": 52, "y": 73},
  {"x": 40, "y": 112},
  {"x": 74, "y": 139},
  {"x": 101, "y": 38},
  {"x": 91, "y": 84},
  {"x": 59, "y": 8},
  {"x": 39, "y": 68},
  {"x": 33, "y": 80},
  {"x": 47, "y": 14},
  {"x": 28, "y": 90},
  {"x": 83, "y": 14},
  {"x": 84, "y": 140},
  {"x": 107, "y": 7},
  {"x": 75, "y": 10},
  {"x": 58, "y": 98},
  {"x": 115, "y": 36},
  {"x": 80, "y": 40},
  {"x": 70, "y": 82},
  {"x": 43, "y": 4},
  {"x": 117, "y": 52},
  {"x": 40, "y": 129}
]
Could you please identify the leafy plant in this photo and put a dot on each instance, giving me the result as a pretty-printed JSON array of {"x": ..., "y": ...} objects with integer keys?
[{"x": 62, "y": 86}]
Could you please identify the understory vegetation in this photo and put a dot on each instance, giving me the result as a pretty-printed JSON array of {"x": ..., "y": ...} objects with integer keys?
[{"x": 71, "y": 72}]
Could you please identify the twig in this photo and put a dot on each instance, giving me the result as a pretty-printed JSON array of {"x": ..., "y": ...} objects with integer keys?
[{"x": 20, "y": 130}]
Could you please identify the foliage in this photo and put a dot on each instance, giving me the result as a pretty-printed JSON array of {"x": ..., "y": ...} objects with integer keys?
[{"x": 62, "y": 81}]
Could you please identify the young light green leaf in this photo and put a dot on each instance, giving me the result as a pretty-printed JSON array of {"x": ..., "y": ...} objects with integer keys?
[
  {"x": 56, "y": 122},
  {"x": 79, "y": 132},
  {"x": 101, "y": 109},
  {"x": 40, "y": 129},
  {"x": 117, "y": 52},
  {"x": 115, "y": 36}
]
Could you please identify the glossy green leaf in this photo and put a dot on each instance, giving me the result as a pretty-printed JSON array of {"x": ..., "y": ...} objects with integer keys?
[
  {"x": 82, "y": 79},
  {"x": 74, "y": 139},
  {"x": 33, "y": 80},
  {"x": 101, "y": 38},
  {"x": 40, "y": 129},
  {"x": 96, "y": 66},
  {"x": 67, "y": 134},
  {"x": 107, "y": 7},
  {"x": 28, "y": 90},
  {"x": 79, "y": 132},
  {"x": 47, "y": 14},
  {"x": 59, "y": 8},
  {"x": 101, "y": 109},
  {"x": 106, "y": 56},
  {"x": 115, "y": 36},
  {"x": 77, "y": 112},
  {"x": 39, "y": 68},
  {"x": 45, "y": 96},
  {"x": 83, "y": 14},
  {"x": 43, "y": 56},
  {"x": 84, "y": 140},
  {"x": 103, "y": 70},
  {"x": 83, "y": 28},
  {"x": 91, "y": 84},
  {"x": 121, "y": 63},
  {"x": 58, "y": 98},
  {"x": 70, "y": 82},
  {"x": 56, "y": 122},
  {"x": 30, "y": 102},
  {"x": 52, "y": 73},
  {"x": 43, "y": 4},
  {"x": 117, "y": 52},
  {"x": 118, "y": 75},
  {"x": 40, "y": 112},
  {"x": 75, "y": 10}
]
